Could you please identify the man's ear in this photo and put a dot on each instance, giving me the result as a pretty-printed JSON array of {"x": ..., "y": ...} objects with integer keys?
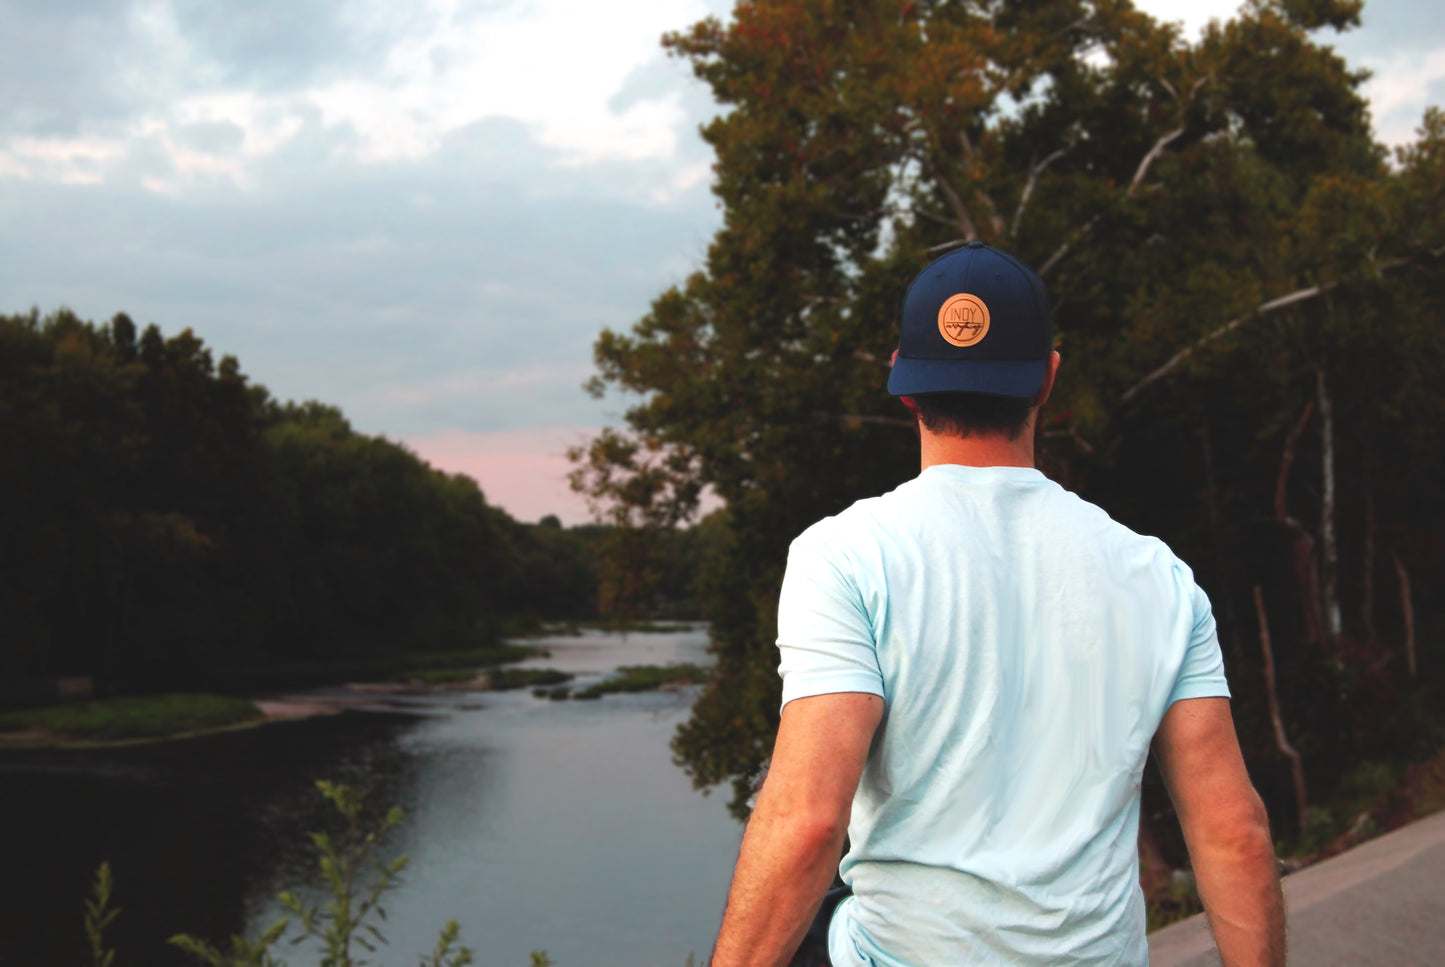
[
  {"x": 1051, "y": 370},
  {"x": 893, "y": 359}
]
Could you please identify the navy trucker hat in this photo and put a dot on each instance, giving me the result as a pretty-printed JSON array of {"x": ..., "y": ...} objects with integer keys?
[{"x": 976, "y": 320}]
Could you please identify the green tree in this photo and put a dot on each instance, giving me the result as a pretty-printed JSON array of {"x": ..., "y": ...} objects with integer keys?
[
  {"x": 172, "y": 526},
  {"x": 1215, "y": 224}
]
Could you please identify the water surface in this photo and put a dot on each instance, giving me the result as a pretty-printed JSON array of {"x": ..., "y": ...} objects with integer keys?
[{"x": 561, "y": 826}]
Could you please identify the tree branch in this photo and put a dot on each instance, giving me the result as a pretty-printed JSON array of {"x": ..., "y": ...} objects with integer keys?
[
  {"x": 1286, "y": 460},
  {"x": 1329, "y": 547},
  {"x": 1063, "y": 249},
  {"x": 1299, "y": 295},
  {"x": 1281, "y": 741},
  {"x": 1175, "y": 361},
  {"x": 1140, "y": 173},
  {"x": 955, "y": 203},
  {"x": 1035, "y": 171},
  {"x": 1153, "y": 155},
  {"x": 1071, "y": 434},
  {"x": 864, "y": 418},
  {"x": 1408, "y": 611},
  {"x": 992, "y": 209}
]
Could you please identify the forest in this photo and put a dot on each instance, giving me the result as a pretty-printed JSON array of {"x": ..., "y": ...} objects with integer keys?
[
  {"x": 169, "y": 524},
  {"x": 1247, "y": 291}
]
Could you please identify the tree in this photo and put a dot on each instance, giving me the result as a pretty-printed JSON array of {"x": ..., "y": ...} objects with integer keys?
[
  {"x": 1213, "y": 220},
  {"x": 169, "y": 523}
]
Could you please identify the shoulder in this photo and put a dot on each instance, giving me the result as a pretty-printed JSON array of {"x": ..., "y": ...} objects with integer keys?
[
  {"x": 864, "y": 522},
  {"x": 1105, "y": 527}
]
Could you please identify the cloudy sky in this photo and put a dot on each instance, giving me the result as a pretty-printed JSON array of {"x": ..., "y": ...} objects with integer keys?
[{"x": 421, "y": 211}]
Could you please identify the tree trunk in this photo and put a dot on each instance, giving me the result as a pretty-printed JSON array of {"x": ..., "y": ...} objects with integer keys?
[
  {"x": 1329, "y": 547},
  {"x": 1367, "y": 603},
  {"x": 1408, "y": 610},
  {"x": 1306, "y": 580},
  {"x": 1154, "y": 870},
  {"x": 1211, "y": 502},
  {"x": 1297, "y": 768}
]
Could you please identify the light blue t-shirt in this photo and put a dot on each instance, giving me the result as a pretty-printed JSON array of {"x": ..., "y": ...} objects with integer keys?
[{"x": 1026, "y": 647}]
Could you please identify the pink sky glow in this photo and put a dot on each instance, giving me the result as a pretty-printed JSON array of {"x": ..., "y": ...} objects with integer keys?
[{"x": 524, "y": 472}]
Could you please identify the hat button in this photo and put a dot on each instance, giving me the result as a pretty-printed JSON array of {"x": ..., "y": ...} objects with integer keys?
[{"x": 975, "y": 244}]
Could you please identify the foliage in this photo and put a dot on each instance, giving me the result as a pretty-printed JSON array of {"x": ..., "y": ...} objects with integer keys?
[
  {"x": 504, "y": 679},
  {"x": 645, "y": 627},
  {"x": 371, "y": 667},
  {"x": 1247, "y": 296},
  {"x": 211, "y": 531},
  {"x": 356, "y": 882},
  {"x": 98, "y": 916},
  {"x": 645, "y": 678},
  {"x": 438, "y": 676},
  {"x": 149, "y": 716}
]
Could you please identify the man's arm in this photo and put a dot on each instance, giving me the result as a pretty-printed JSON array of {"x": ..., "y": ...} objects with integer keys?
[
  {"x": 1226, "y": 830},
  {"x": 793, "y": 841}
]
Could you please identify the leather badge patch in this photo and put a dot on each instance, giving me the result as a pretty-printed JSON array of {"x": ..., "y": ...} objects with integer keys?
[{"x": 963, "y": 320}]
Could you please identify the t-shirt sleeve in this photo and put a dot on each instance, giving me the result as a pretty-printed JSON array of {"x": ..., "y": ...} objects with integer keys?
[
  {"x": 824, "y": 634},
  {"x": 1202, "y": 674}
]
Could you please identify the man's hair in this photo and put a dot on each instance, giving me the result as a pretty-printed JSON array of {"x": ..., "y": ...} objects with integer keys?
[{"x": 963, "y": 414}]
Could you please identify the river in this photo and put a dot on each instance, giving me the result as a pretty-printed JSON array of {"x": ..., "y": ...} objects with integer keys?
[{"x": 561, "y": 826}]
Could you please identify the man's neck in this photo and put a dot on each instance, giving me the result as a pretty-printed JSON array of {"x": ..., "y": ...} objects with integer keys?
[{"x": 977, "y": 449}]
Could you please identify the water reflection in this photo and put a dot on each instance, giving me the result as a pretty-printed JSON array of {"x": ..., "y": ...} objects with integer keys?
[
  {"x": 192, "y": 830},
  {"x": 536, "y": 824}
]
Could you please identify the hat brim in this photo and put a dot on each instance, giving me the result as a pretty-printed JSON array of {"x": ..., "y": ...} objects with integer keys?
[{"x": 993, "y": 377}]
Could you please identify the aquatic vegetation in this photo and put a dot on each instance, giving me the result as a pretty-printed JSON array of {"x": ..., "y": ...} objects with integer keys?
[
  {"x": 135, "y": 717},
  {"x": 505, "y": 679},
  {"x": 646, "y": 678}
]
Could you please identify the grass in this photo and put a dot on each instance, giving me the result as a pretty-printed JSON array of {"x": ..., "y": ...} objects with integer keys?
[
  {"x": 642, "y": 627},
  {"x": 438, "y": 676},
  {"x": 505, "y": 679},
  {"x": 375, "y": 668},
  {"x": 559, "y": 694},
  {"x": 141, "y": 717},
  {"x": 646, "y": 678}
]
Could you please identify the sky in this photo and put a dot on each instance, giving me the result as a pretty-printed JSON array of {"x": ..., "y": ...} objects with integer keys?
[{"x": 421, "y": 212}]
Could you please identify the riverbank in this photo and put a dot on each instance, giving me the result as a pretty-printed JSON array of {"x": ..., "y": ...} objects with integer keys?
[
  {"x": 380, "y": 684},
  {"x": 519, "y": 813},
  {"x": 113, "y": 721},
  {"x": 1377, "y": 904},
  {"x": 251, "y": 697}
]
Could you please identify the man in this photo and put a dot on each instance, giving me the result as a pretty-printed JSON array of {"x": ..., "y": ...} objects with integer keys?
[{"x": 974, "y": 669}]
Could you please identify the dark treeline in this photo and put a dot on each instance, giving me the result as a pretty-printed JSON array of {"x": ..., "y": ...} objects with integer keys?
[
  {"x": 167, "y": 522},
  {"x": 1248, "y": 298}
]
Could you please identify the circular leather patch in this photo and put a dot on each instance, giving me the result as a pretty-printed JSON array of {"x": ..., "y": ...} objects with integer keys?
[{"x": 963, "y": 320}]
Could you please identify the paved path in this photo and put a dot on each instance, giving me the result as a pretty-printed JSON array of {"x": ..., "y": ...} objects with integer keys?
[{"x": 1381, "y": 904}]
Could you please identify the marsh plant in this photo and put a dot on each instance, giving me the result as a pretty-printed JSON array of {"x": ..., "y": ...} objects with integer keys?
[{"x": 346, "y": 925}]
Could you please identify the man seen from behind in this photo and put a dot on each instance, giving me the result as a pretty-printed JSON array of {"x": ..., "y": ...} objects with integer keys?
[{"x": 975, "y": 667}]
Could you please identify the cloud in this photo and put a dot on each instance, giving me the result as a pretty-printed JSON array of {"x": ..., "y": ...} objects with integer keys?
[
  {"x": 463, "y": 289},
  {"x": 1400, "y": 90},
  {"x": 423, "y": 213},
  {"x": 1193, "y": 15},
  {"x": 511, "y": 386},
  {"x": 397, "y": 79}
]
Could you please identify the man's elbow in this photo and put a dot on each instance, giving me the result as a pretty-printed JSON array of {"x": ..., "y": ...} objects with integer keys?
[
  {"x": 805, "y": 827},
  {"x": 816, "y": 830},
  {"x": 1241, "y": 832}
]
